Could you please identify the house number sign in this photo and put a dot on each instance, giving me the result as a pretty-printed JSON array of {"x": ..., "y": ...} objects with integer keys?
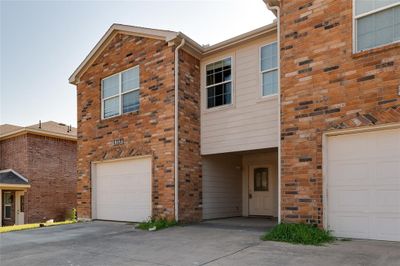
[{"x": 118, "y": 142}]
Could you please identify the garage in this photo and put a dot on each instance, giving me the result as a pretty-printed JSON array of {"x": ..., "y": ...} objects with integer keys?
[
  {"x": 121, "y": 190},
  {"x": 362, "y": 182}
]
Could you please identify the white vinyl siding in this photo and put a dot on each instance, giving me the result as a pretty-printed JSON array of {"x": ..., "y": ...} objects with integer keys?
[
  {"x": 376, "y": 23},
  {"x": 250, "y": 122},
  {"x": 120, "y": 93},
  {"x": 269, "y": 69},
  {"x": 222, "y": 186}
]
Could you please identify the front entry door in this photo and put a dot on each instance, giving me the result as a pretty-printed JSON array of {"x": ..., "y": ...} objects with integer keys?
[
  {"x": 261, "y": 191},
  {"x": 19, "y": 207}
]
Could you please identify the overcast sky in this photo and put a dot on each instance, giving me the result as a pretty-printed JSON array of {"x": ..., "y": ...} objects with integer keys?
[{"x": 42, "y": 43}]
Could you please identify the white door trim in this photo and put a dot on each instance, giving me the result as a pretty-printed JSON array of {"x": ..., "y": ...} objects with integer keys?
[
  {"x": 325, "y": 137},
  {"x": 19, "y": 216}
]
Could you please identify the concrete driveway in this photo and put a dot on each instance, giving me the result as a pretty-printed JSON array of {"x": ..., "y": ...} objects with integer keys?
[{"x": 211, "y": 243}]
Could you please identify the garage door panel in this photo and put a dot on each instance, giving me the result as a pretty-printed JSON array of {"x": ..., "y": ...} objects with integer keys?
[
  {"x": 388, "y": 143},
  {"x": 387, "y": 173},
  {"x": 350, "y": 225},
  {"x": 386, "y": 201},
  {"x": 363, "y": 185},
  {"x": 348, "y": 173},
  {"x": 343, "y": 148},
  {"x": 348, "y": 200},
  {"x": 387, "y": 228},
  {"x": 123, "y": 190}
]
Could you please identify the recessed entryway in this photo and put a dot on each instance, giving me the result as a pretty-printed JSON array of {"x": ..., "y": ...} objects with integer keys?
[
  {"x": 121, "y": 190},
  {"x": 240, "y": 184},
  {"x": 362, "y": 184}
]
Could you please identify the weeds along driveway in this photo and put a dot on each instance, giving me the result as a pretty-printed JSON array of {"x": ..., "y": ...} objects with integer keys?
[{"x": 105, "y": 243}]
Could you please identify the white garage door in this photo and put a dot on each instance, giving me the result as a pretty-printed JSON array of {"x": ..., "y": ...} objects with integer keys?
[
  {"x": 122, "y": 190},
  {"x": 363, "y": 197}
]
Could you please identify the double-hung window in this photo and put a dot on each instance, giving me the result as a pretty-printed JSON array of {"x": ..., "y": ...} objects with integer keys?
[
  {"x": 269, "y": 69},
  {"x": 376, "y": 23},
  {"x": 219, "y": 83},
  {"x": 120, "y": 93},
  {"x": 7, "y": 203}
]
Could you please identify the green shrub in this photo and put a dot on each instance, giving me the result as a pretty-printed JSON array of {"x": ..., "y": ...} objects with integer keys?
[
  {"x": 156, "y": 224},
  {"x": 70, "y": 214},
  {"x": 73, "y": 215},
  {"x": 299, "y": 234}
]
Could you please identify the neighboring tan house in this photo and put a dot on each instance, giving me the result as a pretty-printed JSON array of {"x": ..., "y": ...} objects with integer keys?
[
  {"x": 220, "y": 142},
  {"x": 37, "y": 172}
]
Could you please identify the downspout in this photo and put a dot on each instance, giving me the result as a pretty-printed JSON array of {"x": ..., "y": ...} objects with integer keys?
[
  {"x": 278, "y": 29},
  {"x": 176, "y": 162}
]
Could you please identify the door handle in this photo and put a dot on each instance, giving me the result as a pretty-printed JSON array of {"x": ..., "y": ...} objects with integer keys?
[{"x": 250, "y": 196}]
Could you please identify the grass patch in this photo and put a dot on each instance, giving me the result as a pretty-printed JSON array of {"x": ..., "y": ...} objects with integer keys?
[
  {"x": 156, "y": 224},
  {"x": 11, "y": 228},
  {"x": 299, "y": 234}
]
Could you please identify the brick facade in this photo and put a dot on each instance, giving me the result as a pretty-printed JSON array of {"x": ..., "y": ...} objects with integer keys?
[
  {"x": 13, "y": 154},
  {"x": 324, "y": 86},
  {"x": 150, "y": 130},
  {"x": 50, "y": 165},
  {"x": 190, "y": 181}
]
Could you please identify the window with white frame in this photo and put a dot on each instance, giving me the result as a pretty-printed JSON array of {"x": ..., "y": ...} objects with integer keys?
[
  {"x": 269, "y": 69},
  {"x": 120, "y": 93},
  {"x": 219, "y": 83},
  {"x": 377, "y": 22},
  {"x": 7, "y": 203}
]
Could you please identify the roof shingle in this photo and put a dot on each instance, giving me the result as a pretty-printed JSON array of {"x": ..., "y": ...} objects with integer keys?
[{"x": 11, "y": 177}]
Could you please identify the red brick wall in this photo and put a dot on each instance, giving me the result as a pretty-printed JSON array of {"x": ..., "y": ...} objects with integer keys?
[
  {"x": 13, "y": 154},
  {"x": 190, "y": 182},
  {"x": 52, "y": 175},
  {"x": 50, "y": 166},
  {"x": 149, "y": 131},
  {"x": 325, "y": 86}
]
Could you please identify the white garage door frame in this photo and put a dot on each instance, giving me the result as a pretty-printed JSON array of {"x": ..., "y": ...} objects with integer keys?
[
  {"x": 93, "y": 180},
  {"x": 325, "y": 137}
]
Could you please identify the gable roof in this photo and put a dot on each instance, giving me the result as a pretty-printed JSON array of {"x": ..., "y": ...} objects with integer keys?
[
  {"x": 49, "y": 128},
  {"x": 11, "y": 177},
  {"x": 168, "y": 36}
]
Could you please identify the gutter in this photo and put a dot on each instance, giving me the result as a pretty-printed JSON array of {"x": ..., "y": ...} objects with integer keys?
[
  {"x": 276, "y": 10},
  {"x": 176, "y": 117}
]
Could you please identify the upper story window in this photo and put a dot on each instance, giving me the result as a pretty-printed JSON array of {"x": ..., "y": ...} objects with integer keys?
[
  {"x": 377, "y": 22},
  {"x": 269, "y": 69},
  {"x": 219, "y": 83},
  {"x": 120, "y": 93}
]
